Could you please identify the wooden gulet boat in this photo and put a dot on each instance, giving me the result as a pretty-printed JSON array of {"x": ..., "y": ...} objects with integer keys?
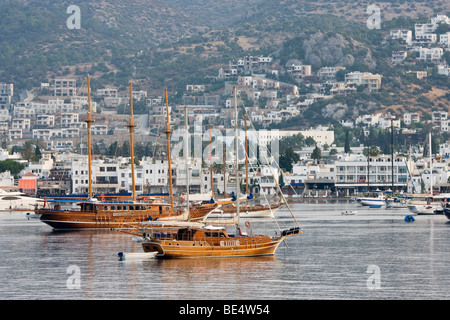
[
  {"x": 195, "y": 240},
  {"x": 95, "y": 214}
]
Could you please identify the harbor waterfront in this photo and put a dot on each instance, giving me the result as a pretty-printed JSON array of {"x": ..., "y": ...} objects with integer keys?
[{"x": 372, "y": 254}]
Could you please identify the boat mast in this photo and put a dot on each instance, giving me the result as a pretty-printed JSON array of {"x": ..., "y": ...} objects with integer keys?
[
  {"x": 211, "y": 163},
  {"x": 368, "y": 163},
  {"x": 224, "y": 170},
  {"x": 392, "y": 154},
  {"x": 237, "y": 156},
  {"x": 168, "y": 132},
  {"x": 431, "y": 168},
  {"x": 131, "y": 127},
  {"x": 246, "y": 158},
  {"x": 89, "y": 121},
  {"x": 186, "y": 156}
]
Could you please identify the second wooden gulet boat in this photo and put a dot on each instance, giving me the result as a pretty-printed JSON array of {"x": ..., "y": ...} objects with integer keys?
[{"x": 95, "y": 214}]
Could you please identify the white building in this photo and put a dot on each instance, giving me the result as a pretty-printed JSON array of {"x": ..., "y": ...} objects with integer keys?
[
  {"x": 321, "y": 135},
  {"x": 440, "y": 18},
  {"x": 329, "y": 73},
  {"x": 367, "y": 79},
  {"x": 6, "y": 93},
  {"x": 444, "y": 70},
  {"x": 405, "y": 35},
  {"x": 377, "y": 120},
  {"x": 99, "y": 129},
  {"x": 23, "y": 124},
  {"x": 65, "y": 87},
  {"x": 398, "y": 56},
  {"x": 155, "y": 174},
  {"x": 15, "y": 134},
  {"x": 45, "y": 120},
  {"x": 430, "y": 54},
  {"x": 421, "y": 29},
  {"x": 444, "y": 39},
  {"x": 412, "y": 117},
  {"x": 351, "y": 173},
  {"x": 69, "y": 119},
  {"x": 440, "y": 120}
]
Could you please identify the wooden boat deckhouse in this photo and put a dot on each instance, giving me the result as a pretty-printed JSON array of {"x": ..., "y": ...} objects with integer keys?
[{"x": 95, "y": 214}]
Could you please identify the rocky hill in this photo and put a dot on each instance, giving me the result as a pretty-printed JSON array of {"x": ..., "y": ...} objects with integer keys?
[{"x": 160, "y": 43}]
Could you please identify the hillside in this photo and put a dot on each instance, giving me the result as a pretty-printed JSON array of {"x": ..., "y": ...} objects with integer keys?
[{"x": 169, "y": 43}]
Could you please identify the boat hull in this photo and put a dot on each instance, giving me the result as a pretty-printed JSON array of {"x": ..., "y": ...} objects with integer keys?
[
  {"x": 170, "y": 249},
  {"x": 447, "y": 212},
  {"x": 91, "y": 220},
  {"x": 372, "y": 202},
  {"x": 424, "y": 209}
]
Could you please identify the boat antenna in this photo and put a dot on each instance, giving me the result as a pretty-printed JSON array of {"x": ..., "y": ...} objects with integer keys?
[
  {"x": 131, "y": 127},
  {"x": 168, "y": 132},
  {"x": 89, "y": 122}
]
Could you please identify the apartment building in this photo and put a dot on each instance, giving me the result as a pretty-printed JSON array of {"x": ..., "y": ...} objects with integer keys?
[
  {"x": 409, "y": 118},
  {"x": 15, "y": 134},
  {"x": 430, "y": 54},
  {"x": 421, "y": 29},
  {"x": 321, "y": 135},
  {"x": 371, "y": 81},
  {"x": 351, "y": 173},
  {"x": 440, "y": 120},
  {"x": 69, "y": 119},
  {"x": 398, "y": 56},
  {"x": 24, "y": 124},
  {"x": 65, "y": 87},
  {"x": 299, "y": 70},
  {"x": 329, "y": 73},
  {"x": 195, "y": 87},
  {"x": 6, "y": 94},
  {"x": 403, "y": 34},
  {"x": 444, "y": 39},
  {"x": 45, "y": 120},
  {"x": 107, "y": 92},
  {"x": 99, "y": 129}
]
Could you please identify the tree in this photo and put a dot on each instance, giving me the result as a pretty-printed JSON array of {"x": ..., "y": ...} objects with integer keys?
[
  {"x": 295, "y": 141},
  {"x": 316, "y": 154},
  {"x": 310, "y": 141},
  {"x": 12, "y": 166},
  {"x": 37, "y": 154},
  {"x": 27, "y": 152},
  {"x": 340, "y": 75},
  {"x": 374, "y": 151},
  {"x": 347, "y": 142},
  {"x": 288, "y": 158}
]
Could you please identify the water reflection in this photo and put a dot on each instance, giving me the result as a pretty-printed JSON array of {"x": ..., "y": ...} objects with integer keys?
[{"x": 328, "y": 261}]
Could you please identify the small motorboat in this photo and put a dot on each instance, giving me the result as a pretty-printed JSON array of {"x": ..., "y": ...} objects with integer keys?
[
  {"x": 349, "y": 212},
  {"x": 133, "y": 256}
]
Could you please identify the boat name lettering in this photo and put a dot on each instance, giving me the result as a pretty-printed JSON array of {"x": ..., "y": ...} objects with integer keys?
[
  {"x": 122, "y": 214},
  {"x": 229, "y": 243}
]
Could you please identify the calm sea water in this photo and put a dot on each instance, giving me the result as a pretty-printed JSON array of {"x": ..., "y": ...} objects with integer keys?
[{"x": 371, "y": 255}]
